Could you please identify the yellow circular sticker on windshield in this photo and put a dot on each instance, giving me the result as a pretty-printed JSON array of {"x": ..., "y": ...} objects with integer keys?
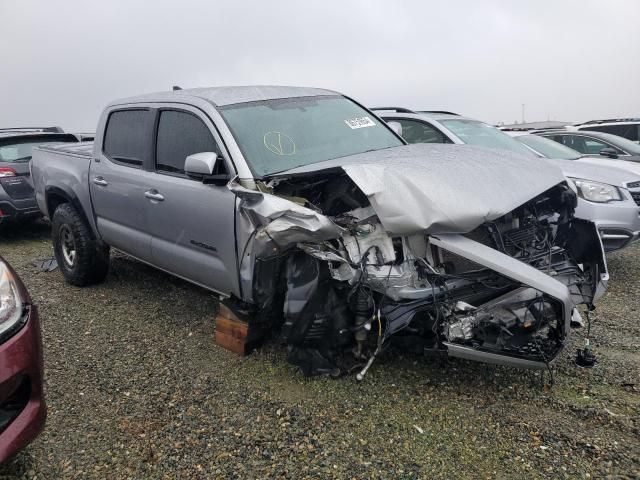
[{"x": 279, "y": 143}]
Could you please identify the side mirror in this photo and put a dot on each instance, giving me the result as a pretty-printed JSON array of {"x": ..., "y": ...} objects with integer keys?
[
  {"x": 396, "y": 127},
  {"x": 203, "y": 163},
  {"x": 609, "y": 152}
]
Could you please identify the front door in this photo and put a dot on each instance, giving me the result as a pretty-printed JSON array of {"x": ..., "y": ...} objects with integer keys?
[{"x": 192, "y": 224}]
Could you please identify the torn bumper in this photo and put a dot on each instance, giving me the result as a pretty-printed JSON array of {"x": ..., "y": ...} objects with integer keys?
[
  {"x": 515, "y": 270},
  {"x": 22, "y": 405}
]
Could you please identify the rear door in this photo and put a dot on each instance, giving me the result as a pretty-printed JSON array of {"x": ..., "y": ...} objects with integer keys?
[
  {"x": 118, "y": 179},
  {"x": 192, "y": 224}
]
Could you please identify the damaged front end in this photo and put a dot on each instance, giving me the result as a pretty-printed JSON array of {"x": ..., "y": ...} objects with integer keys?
[{"x": 327, "y": 271}]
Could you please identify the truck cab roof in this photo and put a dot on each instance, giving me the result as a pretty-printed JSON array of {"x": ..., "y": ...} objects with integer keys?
[{"x": 222, "y": 96}]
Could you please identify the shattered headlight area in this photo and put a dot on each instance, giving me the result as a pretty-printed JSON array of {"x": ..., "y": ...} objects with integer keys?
[
  {"x": 332, "y": 326},
  {"x": 502, "y": 293}
]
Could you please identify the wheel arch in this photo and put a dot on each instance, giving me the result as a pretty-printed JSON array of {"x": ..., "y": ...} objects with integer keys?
[{"x": 56, "y": 196}]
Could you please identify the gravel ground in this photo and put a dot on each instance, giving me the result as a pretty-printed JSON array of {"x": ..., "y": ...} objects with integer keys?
[{"x": 136, "y": 388}]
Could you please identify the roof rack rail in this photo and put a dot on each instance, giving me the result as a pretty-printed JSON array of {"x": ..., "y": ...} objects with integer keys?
[
  {"x": 443, "y": 112},
  {"x": 532, "y": 130},
  {"x": 33, "y": 129},
  {"x": 609, "y": 120},
  {"x": 394, "y": 109},
  {"x": 550, "y": 130}
]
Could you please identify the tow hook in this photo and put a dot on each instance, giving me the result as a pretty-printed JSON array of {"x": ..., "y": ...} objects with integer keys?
[{"x": 584, "y": 356}]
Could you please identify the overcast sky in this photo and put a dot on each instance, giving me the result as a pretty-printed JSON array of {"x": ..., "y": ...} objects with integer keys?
[{"x": 61, "y": 61}]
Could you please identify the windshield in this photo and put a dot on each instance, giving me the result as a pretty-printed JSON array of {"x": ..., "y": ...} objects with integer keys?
[
  {"x": 17, "y": 150},
  {"x": 277, "y": 135},
  {"x": 625, "y": 144},
  {"x": 473, "y": 132},
  {"x": 548, "y": 148}
]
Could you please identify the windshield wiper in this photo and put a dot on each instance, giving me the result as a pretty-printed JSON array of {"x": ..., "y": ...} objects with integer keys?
[{"x": 22, "y": 159}]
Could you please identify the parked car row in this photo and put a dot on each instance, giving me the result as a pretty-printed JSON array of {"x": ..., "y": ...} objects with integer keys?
[
  {"x": 608, "y": 191},
  {"x": 318, "y": 222},
  {"x": 628, "y": 128}
]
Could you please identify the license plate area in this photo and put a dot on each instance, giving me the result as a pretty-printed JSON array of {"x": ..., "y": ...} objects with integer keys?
[{"x": 17, "y": 188}]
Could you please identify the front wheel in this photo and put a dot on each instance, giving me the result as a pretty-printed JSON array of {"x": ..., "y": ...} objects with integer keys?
[{"x": 82, "y": 258}]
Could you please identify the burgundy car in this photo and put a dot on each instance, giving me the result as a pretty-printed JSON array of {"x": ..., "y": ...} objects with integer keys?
[{"x": 22, "y": 407}]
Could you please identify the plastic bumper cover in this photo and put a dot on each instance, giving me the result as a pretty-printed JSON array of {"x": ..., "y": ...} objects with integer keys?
[{"x": 22, "y": 405}]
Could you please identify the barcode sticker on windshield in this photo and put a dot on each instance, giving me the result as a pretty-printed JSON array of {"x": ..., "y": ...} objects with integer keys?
[{"x": 360, "y": 122}]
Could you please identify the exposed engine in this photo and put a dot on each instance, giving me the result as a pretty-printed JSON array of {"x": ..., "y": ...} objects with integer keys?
[{"x": 345, "y": 299}]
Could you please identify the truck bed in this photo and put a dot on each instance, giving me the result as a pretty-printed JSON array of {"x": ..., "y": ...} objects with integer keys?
[{"x": 63, "y": 169}]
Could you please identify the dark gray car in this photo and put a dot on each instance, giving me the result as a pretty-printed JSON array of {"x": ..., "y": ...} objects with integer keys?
[{"x": 17, "y": 198}]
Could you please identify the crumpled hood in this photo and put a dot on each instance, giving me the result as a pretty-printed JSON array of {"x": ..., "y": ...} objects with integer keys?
[
  {"x": 442, "y": 188},
  {"x": 608, "y": 173}
]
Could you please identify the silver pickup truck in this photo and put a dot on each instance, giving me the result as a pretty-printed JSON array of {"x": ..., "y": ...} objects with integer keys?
[{"x": 312, "y": 218}]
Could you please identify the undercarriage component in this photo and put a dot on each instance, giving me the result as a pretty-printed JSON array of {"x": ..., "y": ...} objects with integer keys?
[
  {"x": 362, "y": 309},
  {"x": 317, "y": 322},
  {"x": 584, "y": 356}
]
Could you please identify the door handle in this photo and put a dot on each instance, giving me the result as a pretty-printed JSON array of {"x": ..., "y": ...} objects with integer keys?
[
  {"x": 153, "y": 194},
  {"x": 100, "y": 181}
]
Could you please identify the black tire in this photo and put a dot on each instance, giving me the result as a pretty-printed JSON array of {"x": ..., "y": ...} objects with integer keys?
[{"x": 82, "y": 259}]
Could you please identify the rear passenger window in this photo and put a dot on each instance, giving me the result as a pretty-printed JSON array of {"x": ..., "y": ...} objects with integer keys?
[
  {"x": 180, "y": 134},
  {"x": 126, "y": 138}
]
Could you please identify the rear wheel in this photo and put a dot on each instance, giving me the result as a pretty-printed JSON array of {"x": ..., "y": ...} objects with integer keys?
[{"x": 82, "y": 258}]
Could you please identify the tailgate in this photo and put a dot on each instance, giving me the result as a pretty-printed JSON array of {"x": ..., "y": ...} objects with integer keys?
[{"x": 17, "y": 188}]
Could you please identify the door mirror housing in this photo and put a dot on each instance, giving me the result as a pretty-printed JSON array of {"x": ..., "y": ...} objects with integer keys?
[
  {"x": 609, "y": 152},
  {"x": 203, "y": 163},
  {"x": 396, "y": 127}
]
